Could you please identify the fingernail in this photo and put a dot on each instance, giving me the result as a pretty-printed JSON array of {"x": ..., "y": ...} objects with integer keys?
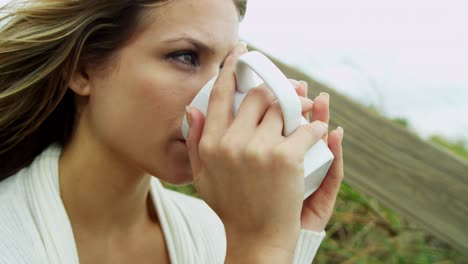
[
  {"x": 243, "y": 44},
  {"x": 341, "y": 131},
  {"x": 305, "y": 84},
  {"x": 241, "y": 47},
  {"x": 295, "y": 83},
  {"x": 325, "y": 95},
  {"x": 188, "y": 109}
]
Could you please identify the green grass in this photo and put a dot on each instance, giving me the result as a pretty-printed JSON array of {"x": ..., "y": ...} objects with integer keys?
[
  {"x": 457, "y": 147},
  {"x": 364, "y": 231}
]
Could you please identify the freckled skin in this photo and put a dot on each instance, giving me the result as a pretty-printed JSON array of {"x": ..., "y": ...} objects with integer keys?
[{"x": 137, "y": 107}]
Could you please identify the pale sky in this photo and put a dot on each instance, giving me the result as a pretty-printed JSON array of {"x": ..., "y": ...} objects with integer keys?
[{"x": 407, "y": 57}]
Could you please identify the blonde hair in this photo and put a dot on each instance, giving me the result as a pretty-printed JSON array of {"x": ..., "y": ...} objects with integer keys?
[{"x": 41, "y": 44}]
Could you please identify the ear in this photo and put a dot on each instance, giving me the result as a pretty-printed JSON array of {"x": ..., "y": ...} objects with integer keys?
[{"x": 79, "y": 82}]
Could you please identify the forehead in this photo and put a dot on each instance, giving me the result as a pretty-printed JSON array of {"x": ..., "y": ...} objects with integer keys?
[{"x": 215, "y": 22}]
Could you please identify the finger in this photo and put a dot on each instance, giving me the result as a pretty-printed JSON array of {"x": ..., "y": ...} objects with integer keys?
[
  {"x": 305, "y": 85},
  {"x": 336, "y": 172},
  {"x": 302, "y": 90},
  {"x": 219, "y": 114},
  {"x": 321, "y": 203},
  {"x": 196, "y": 121},
  {"x": 272, "y": 122},
  {"x": 321, "y": 110},
  {"x": 326, "y": 194},
  {"x": 295, "y": 83},
  {"x": 299, "y": 142},
  {"x": 252, "y": 109}
]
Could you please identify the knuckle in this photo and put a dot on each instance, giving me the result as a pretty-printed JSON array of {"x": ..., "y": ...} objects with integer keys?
[
  {"x": 308, "y": 129},
  {"x": 316, "y": 129},
  {"x": 275, "y": 107},
  {"x": 254, "y": 154},
  {"x": 259, "y": 92},
  {"x": 207, "y": 147},
  {"x": 226, "y": 149},
  {"x": 320, "y": 127},
  {"x": 282, "y": 159}
]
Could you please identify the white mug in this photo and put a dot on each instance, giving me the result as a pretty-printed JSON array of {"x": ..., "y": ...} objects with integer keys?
[{"x": 252, "y": 69}]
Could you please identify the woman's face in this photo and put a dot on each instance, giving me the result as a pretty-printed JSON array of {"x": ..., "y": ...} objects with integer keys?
[{"x": 136, "y": 107}]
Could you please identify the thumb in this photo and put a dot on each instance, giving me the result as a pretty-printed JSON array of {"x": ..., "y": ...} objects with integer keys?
[{"x": 196, "y": 121}]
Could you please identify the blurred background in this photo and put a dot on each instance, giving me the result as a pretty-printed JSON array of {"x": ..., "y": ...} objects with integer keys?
[{"x": 406, "y": 60}]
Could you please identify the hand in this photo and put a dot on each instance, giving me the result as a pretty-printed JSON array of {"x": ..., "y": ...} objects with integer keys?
[
  {"x": 318, "y": 208},
  {"x": 246, "y": 170}
]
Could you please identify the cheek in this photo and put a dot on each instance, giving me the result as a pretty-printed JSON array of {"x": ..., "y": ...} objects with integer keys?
[
  {"x": 140, "y": 109},
  {"x": 161, "y": 98},
  {"x": 170, "y": 93}
]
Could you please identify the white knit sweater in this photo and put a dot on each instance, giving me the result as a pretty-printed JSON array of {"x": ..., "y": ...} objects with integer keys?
[{"x": 34, "y": 226}]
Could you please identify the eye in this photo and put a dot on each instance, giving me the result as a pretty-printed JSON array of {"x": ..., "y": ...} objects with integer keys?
[{"x": 187, "y": 57}]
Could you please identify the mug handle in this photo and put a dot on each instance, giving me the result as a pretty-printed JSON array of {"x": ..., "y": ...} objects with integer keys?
[{"x": 255, "y": 62}]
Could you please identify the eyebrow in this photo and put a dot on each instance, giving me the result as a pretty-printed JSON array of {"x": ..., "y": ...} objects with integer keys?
[{"x": 195, "y": 42}]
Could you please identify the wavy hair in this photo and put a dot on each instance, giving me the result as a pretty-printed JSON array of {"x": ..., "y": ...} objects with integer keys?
[{"x": 42, "y": 42}]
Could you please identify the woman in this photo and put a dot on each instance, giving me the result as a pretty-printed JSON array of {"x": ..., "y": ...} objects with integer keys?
[{"x": 92, "y": 98}]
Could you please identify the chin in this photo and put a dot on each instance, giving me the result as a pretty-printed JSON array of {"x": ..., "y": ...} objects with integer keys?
[
  {"x": 178, "y": 174},
  {"x": 174, "y": 167},
  {"x": 180, "y": 179}
]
